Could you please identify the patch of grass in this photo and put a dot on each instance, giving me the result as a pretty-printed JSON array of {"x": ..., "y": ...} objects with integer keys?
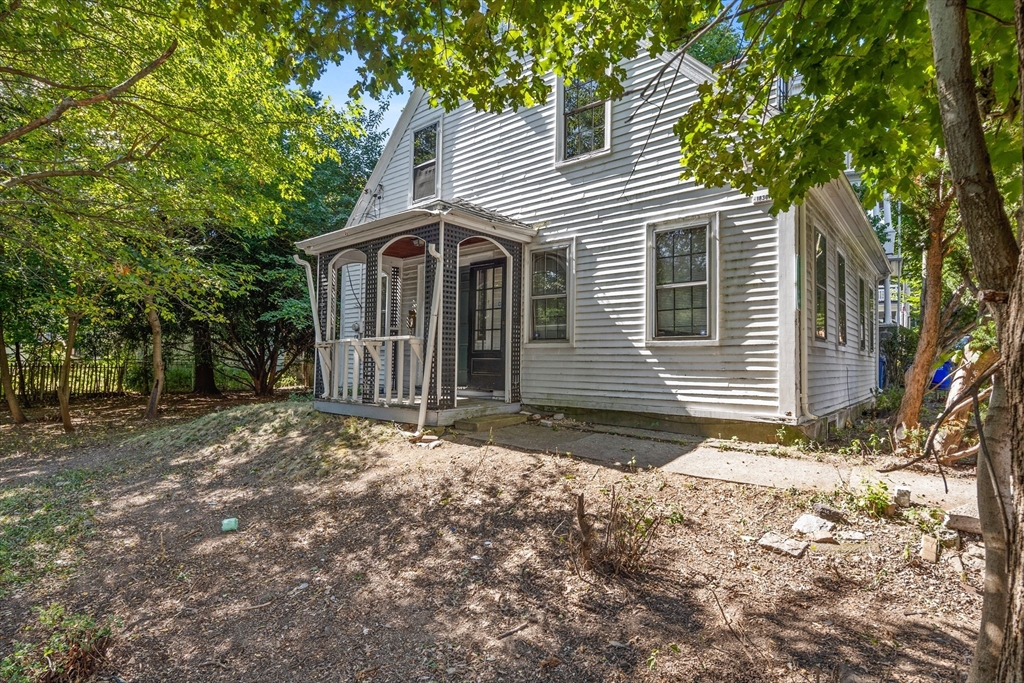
[
  {"x": 40, "y": 523},
  {"x": 68, "y": 648},
  {"x": 286, "y": 438}
]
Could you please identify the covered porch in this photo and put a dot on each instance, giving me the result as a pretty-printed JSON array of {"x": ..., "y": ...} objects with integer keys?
[{"x": 418, "y": 316}]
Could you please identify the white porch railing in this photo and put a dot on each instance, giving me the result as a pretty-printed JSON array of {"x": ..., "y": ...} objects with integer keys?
[{"x": 398, "y": 362}]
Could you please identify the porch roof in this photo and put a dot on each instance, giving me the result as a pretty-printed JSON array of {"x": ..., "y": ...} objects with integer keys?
[{"x": 459, "y": 211}]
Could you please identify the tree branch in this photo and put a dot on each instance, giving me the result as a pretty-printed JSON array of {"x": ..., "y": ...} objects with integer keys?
[
  {"x": 70, "y": 103},
  {"x": 129, "y": 156}
]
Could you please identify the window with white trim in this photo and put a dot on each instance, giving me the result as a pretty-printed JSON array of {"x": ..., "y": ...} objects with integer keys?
[
  {"x": 681, "y": 282},
  {"x": 820, "y": 286},
  {"x": 549, "y": 295},
  {"x": 841, "y": 297},
  {"x": 863, "y": 314},
  {"x": 424, "y": 163},
  {"x": 584, "y": 120}
]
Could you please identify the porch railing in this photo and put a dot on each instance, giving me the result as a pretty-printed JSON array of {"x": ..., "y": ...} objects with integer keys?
[{"x": 397, "y": 362}]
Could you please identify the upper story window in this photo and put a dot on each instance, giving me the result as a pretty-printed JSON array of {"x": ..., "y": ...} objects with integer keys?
[
  {"x": 584, "y": 120},
  {"x": 424, "y": 163},
  {"x": 820, "y": 286},
  {"x": 681, "y": 282},
  {"x": 549, "y": 295}
]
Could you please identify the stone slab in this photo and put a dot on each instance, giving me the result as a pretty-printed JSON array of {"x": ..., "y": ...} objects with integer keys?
[
  {"x": 489, "y": 422},
  {"x": 761, "y": 470},
  {"x": 964, "y": 518},
  {"x": 781, "y": 544}
]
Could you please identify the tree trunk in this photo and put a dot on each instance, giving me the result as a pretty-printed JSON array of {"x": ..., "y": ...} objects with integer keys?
[
  {"x": 202, "y": 348},
  {"x": 919, "y": 374},
  {"x": 995, "y": 256},
  {"x": 158, "y": 358},
  {"x": 22, "y": 391},
  {"x": 8, "y": 385},
  {"x": 64, "y": 381}
]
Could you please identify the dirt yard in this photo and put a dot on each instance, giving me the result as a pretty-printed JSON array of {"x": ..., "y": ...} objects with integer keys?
[{"x": 361, "y": 557}]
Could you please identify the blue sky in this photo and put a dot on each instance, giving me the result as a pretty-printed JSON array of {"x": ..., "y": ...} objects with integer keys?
[{"x": 336, "y": 81}]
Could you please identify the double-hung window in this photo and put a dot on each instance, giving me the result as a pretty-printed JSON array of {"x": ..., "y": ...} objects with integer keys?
[
  {"x": 820, "y": 287},
  {"x": 863, "y": 315},
  {"x": 584, "y": 120},
  {"x": 424, "y": 163},
  {"x": 681, "y": 282},
  {"x": 549, "y": 295},
  {"x": 841, "y": 297}
]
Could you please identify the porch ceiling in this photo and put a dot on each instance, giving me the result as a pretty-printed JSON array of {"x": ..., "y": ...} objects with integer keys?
[{"x": 456, "y": 211}]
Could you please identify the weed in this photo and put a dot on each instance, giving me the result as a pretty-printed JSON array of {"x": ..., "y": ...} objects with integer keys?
[
  {"x": 629, "y": 529},
  {"x": 69, "y": 648},
  {"x": 652, "y": 660},
  {"x": 925, "y": 519},
  {"x": 874, "y": 499}
]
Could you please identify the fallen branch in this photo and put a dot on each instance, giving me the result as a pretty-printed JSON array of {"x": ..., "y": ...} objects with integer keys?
[
  {"x": 515, "y": 629},
  {"x": 960, "y": 455}
]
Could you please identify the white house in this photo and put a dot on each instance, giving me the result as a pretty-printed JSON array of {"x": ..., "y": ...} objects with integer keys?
[{"x": 554, "y": 257}]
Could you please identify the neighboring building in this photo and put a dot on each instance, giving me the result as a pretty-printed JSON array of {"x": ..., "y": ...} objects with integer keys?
[
  {"x": 893, "y": 307},
  {"x": 578, "y": 272}
]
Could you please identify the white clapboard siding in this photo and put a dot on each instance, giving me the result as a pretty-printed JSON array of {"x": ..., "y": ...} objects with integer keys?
[
  {"x": 506, "y": 163},
  {"x": 838, "y": 375}
]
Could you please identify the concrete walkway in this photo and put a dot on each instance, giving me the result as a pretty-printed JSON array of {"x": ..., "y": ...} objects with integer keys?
[{"x": 693, "y": 457}]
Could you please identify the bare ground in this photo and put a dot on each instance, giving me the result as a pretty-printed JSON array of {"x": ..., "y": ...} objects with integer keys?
[{"x": 362, "y": 557}]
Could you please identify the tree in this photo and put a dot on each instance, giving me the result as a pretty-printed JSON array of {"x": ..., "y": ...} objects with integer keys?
[
  {"x": 150, "y": 129},
  {"x": 265, "y": 331}
]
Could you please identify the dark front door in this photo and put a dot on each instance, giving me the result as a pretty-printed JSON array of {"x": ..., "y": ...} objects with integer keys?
[{"x": 486, "y": 348}]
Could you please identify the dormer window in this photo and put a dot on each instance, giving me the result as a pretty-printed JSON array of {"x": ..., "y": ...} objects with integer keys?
[
  {"x": 424, "y": 163},
  {"x": 584, "y": 121}
]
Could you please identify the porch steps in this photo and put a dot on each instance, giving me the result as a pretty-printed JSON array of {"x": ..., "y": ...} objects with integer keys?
[{"x": 486, "y": 423}]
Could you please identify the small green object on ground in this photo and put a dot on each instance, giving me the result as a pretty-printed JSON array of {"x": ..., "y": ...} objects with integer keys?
[{"x": 230, "y": 524}]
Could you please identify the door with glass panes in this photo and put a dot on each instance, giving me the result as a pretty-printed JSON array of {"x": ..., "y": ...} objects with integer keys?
[{"x": 485, "y": 352}]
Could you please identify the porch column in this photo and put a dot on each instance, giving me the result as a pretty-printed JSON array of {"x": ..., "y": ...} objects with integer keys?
[{"x": 370, "y": 284}]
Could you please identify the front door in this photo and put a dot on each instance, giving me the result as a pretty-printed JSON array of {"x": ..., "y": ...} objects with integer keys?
[{"x": 485, "y": 354}]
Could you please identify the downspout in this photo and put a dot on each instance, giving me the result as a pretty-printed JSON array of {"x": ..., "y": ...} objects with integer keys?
[
  {"x": 805, "y": 307},
  {"x": 435, "y": 313},
  {"x": 318, "y": 341}
]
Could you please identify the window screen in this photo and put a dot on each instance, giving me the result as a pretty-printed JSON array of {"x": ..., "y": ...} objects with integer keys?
[
  {"x": 681, "y": 282},
  {"x": 549, "y": 294},
  {"x": 424, "y": 163},
  {"x": 841, "y": 297},
  {"x": 584, "y": 116},
  {"x": 820, "y": 287}
]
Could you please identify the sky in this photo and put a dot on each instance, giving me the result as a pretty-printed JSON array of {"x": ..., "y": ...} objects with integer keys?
[{"x": 336, "y": 81}]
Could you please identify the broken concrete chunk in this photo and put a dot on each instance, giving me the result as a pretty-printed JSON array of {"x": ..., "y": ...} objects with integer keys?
[
  {"x": 535, "y": 417},
  {"x": 851, "y": 536},
  {"x": 829, "y": 513},
  {"x": 902, "y": 496},
  {"x": 546, "y": 423},
  {"x": 956, "y": 563},
  {"x": 823, "y": 537},
  {"x": 558, "y": 416},
  {"x": 929, "y": 549},
  {"x": 948, "y": 538},
  {"x": 810, "y": 524},
  {"x": 964, "y": 518},
  {"x": 781, "y": 544}
]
